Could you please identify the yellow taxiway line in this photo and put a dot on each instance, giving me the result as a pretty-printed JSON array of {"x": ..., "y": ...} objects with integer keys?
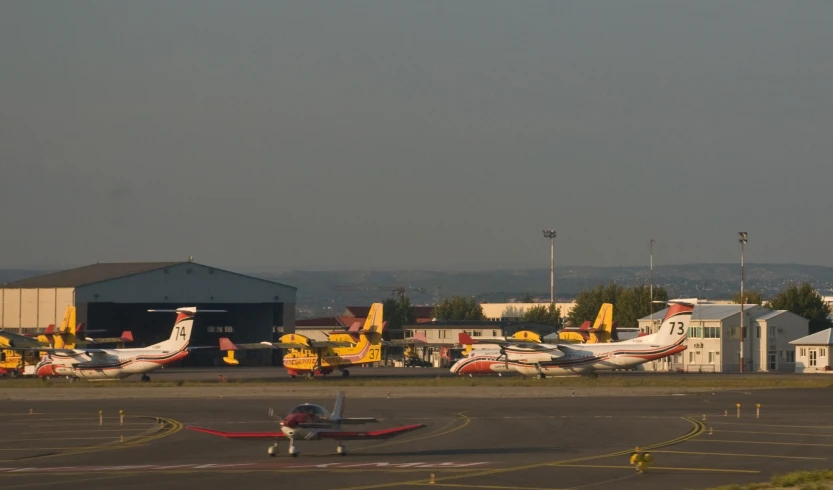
[{"x": 741, "y": 455}]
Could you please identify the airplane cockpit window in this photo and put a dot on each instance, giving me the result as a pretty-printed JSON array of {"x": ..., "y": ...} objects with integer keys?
[{"x": 310, "y": 409}]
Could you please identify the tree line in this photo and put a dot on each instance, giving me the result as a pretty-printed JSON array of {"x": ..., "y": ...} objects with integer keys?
[{"x": 629, "y": 305}]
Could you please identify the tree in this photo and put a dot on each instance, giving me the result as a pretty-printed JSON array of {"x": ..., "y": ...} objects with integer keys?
[
  {"x": 459, "y": 308},
  {"x": 804, "y": 301},
  {"x": 527, "y": 298},
  {"x": 544, "y": 315},
  {"x": 589, "y": 301},
  {"x": 629, "y": 304},
  {"x": 398, "y": 312},
  {"x": 750, "y": 298}
]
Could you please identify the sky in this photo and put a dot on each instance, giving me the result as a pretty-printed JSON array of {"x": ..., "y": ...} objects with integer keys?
[{"x": 415, "y": 134}]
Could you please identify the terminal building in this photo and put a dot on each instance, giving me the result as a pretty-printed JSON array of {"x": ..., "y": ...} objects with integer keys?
[
  {"x": 713, "y": 340},
  {"x": 114, "y": 297}
]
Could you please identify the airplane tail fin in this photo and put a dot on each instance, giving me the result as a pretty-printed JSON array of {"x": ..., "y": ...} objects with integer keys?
[
  {"x": 181, "y": 333},
  {"x": 602, "y": 329},
  {"x": 375, "y": 320},
  {"x": 465, "y": 339},
  {"x": 338, "y": 409},
  {"x": 674, "y": 326}
]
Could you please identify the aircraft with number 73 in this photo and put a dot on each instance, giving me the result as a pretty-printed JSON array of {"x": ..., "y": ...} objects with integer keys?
[{"x": 542, "y": 360}]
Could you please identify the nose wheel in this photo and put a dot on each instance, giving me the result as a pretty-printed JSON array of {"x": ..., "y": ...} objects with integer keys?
[
  {"x": 341, "y": 449},
  {"x": 293, "y": 451}
]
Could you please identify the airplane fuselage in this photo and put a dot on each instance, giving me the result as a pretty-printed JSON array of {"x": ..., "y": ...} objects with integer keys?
[
  {"x": 567, "y": 360},
  {"x": 108, "y": 364}
]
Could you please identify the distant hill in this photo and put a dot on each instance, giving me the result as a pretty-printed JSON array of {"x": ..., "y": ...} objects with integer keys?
[
  {"x": 323, "y": 292},
  {"x": 318, "y": 289}
]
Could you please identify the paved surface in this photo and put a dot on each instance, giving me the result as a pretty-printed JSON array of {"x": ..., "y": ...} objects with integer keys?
[
  {"x": 580, "y": 442},
  {"x": 273, "y": 373}
]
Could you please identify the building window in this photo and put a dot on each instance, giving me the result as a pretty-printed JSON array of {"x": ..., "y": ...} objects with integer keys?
[
  {"x": 758, "y": 331},
  {"x": 690, "y": 357},
  {"x": 476, "y": 333},
  {"x": 711, "y": 332},
  {"x": 711, "y": 357},
  {"x": 695, "y": 332},
  {"x": 773, "y": 332},
  {"x": 803, "y": 352},
  {"x": 733, "y": 332},
  {"x": 791, "y": 356},
  {"x": 494, "y": 333},
  {"x": 822, "y": 352}
]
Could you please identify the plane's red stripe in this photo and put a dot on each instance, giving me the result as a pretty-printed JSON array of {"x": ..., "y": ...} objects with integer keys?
[{"x": 240, "y": 435}]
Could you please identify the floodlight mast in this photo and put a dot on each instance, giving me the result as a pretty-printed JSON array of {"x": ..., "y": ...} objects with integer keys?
[
  {"x": 742, "y": 240},
  {"x": 551, "y": 235}
]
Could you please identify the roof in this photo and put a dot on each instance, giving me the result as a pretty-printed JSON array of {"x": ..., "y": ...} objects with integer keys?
[
  {"x": 363, "y": 311},
  {"x": 106, "y": 271},
  {"x": 773, "y": 314},
  {"x": 825, "y": 337},
  {"x": 327, "y": 321},
  {"x": 708, "y": 312},
  {"x": 358, "y": 311},
  {"x": 88, "y": 274}
]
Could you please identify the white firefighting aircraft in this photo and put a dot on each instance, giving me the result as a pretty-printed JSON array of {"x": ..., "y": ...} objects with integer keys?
[
  {"x": 542, "y": 360},
  {"x": 313, "y": 422},
  {"x": 103, "y": 364}
]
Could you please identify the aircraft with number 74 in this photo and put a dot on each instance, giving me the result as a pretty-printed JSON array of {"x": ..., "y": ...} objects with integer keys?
[{"x": 103, "y": 364}]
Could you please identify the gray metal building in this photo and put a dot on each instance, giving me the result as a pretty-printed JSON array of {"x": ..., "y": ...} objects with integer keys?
[{"x": 116, "y": 296}]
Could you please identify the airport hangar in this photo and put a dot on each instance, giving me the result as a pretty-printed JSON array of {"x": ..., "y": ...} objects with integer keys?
[{"x": 115, "y": 297}]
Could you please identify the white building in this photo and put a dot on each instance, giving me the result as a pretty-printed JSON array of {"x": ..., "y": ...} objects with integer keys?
[
  {"x": 813, "y": 352},
  {"x": 713, "y": 341},
  {"x": 508, "y": 312}
]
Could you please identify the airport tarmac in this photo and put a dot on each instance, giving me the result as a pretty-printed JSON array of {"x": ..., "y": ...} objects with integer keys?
[{"x": 537, "y": 443}]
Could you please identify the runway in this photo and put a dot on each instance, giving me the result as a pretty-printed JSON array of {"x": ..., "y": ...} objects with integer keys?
[{"x": 554, "y": 443}]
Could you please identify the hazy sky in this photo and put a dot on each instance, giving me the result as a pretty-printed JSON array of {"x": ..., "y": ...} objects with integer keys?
[{"x": 415, "y": 133}]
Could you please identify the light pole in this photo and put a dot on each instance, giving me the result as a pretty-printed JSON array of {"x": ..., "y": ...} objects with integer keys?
[
  {"x": 651, "y": 279},
  {"x": 742, "y": 240},
  {"x": 551, "y": 235}
]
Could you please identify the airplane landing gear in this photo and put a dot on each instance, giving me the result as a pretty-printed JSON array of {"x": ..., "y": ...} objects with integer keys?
[
  {"x": 341, "y": 449},
  {"x": 310, "y": 375},
  {"x": 293, "y": 451},
  {"x": 145, "y": 378},
  {"x": 540, "y": 376},
  {"x": 345, "y": 373},
  {"x": 273, "y": 450}
]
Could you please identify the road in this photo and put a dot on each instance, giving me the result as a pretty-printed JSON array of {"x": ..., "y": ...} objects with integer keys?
[{"x": 581, "y": 442}]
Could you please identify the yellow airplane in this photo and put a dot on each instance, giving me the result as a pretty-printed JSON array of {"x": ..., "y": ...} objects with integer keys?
[
  {"x": 342, "y": 350},
  {"x": 599, "y": 333},
  {"x": 15, "y": 362}
]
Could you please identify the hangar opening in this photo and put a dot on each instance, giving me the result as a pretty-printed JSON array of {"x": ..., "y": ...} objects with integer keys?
[{"x": 111, "y": 298}]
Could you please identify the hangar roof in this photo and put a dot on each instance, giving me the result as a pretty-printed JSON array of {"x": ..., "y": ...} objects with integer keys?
[
  {"x": 94, "y": 273},
  {"x": 88, "y": 274}
]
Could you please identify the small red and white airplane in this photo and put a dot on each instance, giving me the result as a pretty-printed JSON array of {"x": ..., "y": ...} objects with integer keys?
[
  {"x": 102, "y": 364},
  {"x": 313, "y": 422},
  {"x": 542, "y": 360}
]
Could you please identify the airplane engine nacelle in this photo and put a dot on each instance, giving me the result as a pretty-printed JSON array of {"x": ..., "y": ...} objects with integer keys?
[{"x": 63, "y": 370}]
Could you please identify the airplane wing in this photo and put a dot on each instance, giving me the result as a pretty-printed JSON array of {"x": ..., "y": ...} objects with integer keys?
[
  {"x": 358, "y": 420},
  {"x": 313, "y": 344},
  {"x": 241, "y": 435},
  {"x": 373, "y": 434},
  {"x": 342, "y": 436}
]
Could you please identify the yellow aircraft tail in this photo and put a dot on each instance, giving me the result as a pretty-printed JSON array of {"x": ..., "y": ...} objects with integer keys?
[
  {"x": 602, "y": 329},
  {"x": 375, "y": 320}
]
